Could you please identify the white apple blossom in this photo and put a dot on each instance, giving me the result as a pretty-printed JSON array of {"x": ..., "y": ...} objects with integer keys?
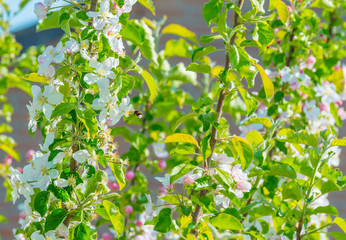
[
  {"x": 32, "y": 125},
  {"x": 116, "y": 45},
  {"x": 40, "y": 10},
  {"x": 164, "y": 180},
  {"x": 47, "y": 142},
  {"x": 160, "y": 150},
  {"x": 50, "y": 235},
  {"x": 41, "y": 172},
  {"x": 19, "y": 185},
  {"x": 103, "y": 16},
  {"x": 71, "y": 46},
  {"x": 81, "y": 155},
  {"x": 222, "y": 158},
  {"x": 312, "y": 112},
  {"x": 102, "y": 70},
  {"x": 42, "y": 100},
  {"x": 327, "y": 92}
]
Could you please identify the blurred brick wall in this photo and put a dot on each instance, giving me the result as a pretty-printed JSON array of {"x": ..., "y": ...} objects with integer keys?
[{"x": 184, "y": 12}]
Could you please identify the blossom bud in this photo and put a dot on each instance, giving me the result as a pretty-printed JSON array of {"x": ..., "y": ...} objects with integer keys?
[
  {"x": 8, "y": 160},
  {"x": 40, "y": 10},
  {"x": 244, "y": 186},
  {"x": 336, "y": 67},
  {"x": 139, "y": 223},
  {"x": 130, "y": 175},
  {"x": 339, "y": 102},
  {"x": 128, "y": 209},
  {"x": 20, "y": 169},
  {"x": 189, "y": 179},
  {"x": 162, "y": 164},
  {"x": 113, "y": 186},
  {"x": 107, "y": 236},
  {"x": 22, "y": 215},
  {"x": 279, "y": 42},
  {"x": 29, "y": 154}
]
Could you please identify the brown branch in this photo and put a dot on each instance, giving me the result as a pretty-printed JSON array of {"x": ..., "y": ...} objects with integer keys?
[
  {"x": 220, "y": 103},
  {"x": 290, "y": 53}
]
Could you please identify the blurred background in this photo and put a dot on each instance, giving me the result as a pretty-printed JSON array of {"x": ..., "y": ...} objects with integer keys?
[{"x": 185, "y": 12}]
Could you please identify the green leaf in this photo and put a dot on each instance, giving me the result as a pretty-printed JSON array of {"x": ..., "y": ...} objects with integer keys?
[
  {"x": 89, "y": 121},
  {"x": 209, "y": 38},
  {"x": 181, "y": 137},
  {"x": 3, "y": 219},
  {"x": 50, "y": 21},
  {"x": 226, "y": 222},
  {"x": 338, "y": 142},
  {"x": 34, "y": 77},
  {"x": 62, "y": 108},
  {"x": 239, "y": 59},
  {"x": 267, "y": 84},
  {"x": 81, "y": 232},
  {"x": 59, "y": 193},
  {"x": 250, "y": 101},
  {"x": 119, "y": 173},
  {"x": 341, "y": 223},
  {"x": 117, "y": 219},
  {"x": 329, "y": 186},
  {"x": 301, "y": 137},
  {"x": 55, "y": 218},
  {"x": 183, "y": 119},
  {"x": 201, "y": 68},
  {"x": 281, "y": 169},
  {"x": 181, "y": 31},
  {"x": 338, "y": 235},
  {"x": 264, "y": 34},
  {"x": 264, "y": 121},
  {"x": 177, "y": 48},
  {"x": 242, "y": 149},
  {"x": 164, "y": 220},
  {"x": 258, "y": 4},
  {"x": 211, "y": 10},
  {"x": 10, "y": 151},
  {"x": 282, "y": 11},
  {"x": 327, "y": 209},
  {"x": 93, "y": 182},
  {"x": 201, "y": 52},
  {"x": 148, "y": 4},
  {"x": 41, "y": 203},
  {"x": 291, "y": 190},
  {"x": 64, "y": 23},
  {"x": 151, "y": 84}
]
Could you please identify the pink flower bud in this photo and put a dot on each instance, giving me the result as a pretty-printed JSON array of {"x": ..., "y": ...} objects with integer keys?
[
  {"x": 339, "y": 102},
  {"x": 8, "y": 160},
  {"x": 279, "y": 42},
  {"x": 272, "y": 64},
  {"x": 342, "y": 113},
  {"x": 162, "y": 191},
  {"x": 20, "y": 169},
  {"x": 139, "y": 223},
  {"x": 321, "y": 35},
  {"x": 107, "y": 236},
  {"x": 130, "y": 175},
  {"x": 114, "y": 5},
  {"x": 128, "y": 209},
  {"x": 29, "y": 155},
  {"x": 288, "y": 8},
  {"x": 336, "y": 68},
  {"x": 162, "y": 164},
  {"x": 189, "y": 179},
  {"x": 40, "y": 10},
  {"x": 276, "y": 30},
  {"x": 324, "y": 107},
  {"x": 113, "y": 186}
]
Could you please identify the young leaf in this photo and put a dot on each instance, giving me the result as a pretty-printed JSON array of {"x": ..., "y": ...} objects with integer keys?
[
  {"x": 62, "y": 108},
  {"x": 282, "y": 11},
  {"x": 181, "y": 137},
  {"x": 226, "y": 221},
  {"x": 148, "y": 4},
  {"x": 239, "y": 59},
  {"x": 341, "y": 223},
  {"x": 250, "y": 102},
  {"x": 119, "y": 173},
  {"x": 183, "y": 119},
  {"x": 117, "y": 219},
  {"x": 35, "y": 77},
  {"x": 55, "y": 218},
  {"x": 211, "y": 10},
  {"x": 264, "y": 121},
  {"x": 41, "y": 202},
  {"x": 164, "y": 220},
  {"x": 181, "y": 31},
  {"x": 338, "y": 142},
  {"x": 201, "y": 68},
  {"x": 267, "y": 84},
  {"x": 201, "y": 52},
  {"x": 151, "y": 84}
]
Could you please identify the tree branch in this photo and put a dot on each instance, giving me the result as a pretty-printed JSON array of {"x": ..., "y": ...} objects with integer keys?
[{"x": 220, "y": 103}]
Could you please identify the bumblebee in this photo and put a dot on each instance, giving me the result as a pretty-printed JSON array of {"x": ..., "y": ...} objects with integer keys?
[{"x": 138, "y": 114}]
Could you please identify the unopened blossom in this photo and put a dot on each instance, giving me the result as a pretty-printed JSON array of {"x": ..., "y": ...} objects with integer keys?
[
  {"x": 107, "y": 236},
  {"x": 81, "y": 156},
  {"x": 40, "y": 10},
  {"x": 19, "y": 185},
  {"x": 162, "y": 164},
  {"x": 311, "y": 110},
  {"x": 103, "y": 16},
  {"x": 189, "y": 179},
  {"x": 244, "y": 186},
  {"x": 113, "y": 186},
  {"x": 327, "y": 92},
  {"x": 29, "y": 154},
  {"x": 128, "y": 209},
  {"x": 160, "y": 150},
  {"x": 130, "y": 175}
]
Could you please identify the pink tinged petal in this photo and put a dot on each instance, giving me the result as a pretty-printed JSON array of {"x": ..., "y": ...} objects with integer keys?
[{"x": 40, "y": 10}]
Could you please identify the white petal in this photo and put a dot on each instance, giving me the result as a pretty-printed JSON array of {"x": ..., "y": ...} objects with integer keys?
[
  {"x": 81, "y": 156},
  {"x": 53, "y": 173},
  {"x": 98, "y": 104},
  {"x": 59, "y": 157},
  {"x": 47, "y": 110},
  {"x": 55, "y": 98},
  {"x": 90, "y": 78},
  {"x": 61, "y": 183}
]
